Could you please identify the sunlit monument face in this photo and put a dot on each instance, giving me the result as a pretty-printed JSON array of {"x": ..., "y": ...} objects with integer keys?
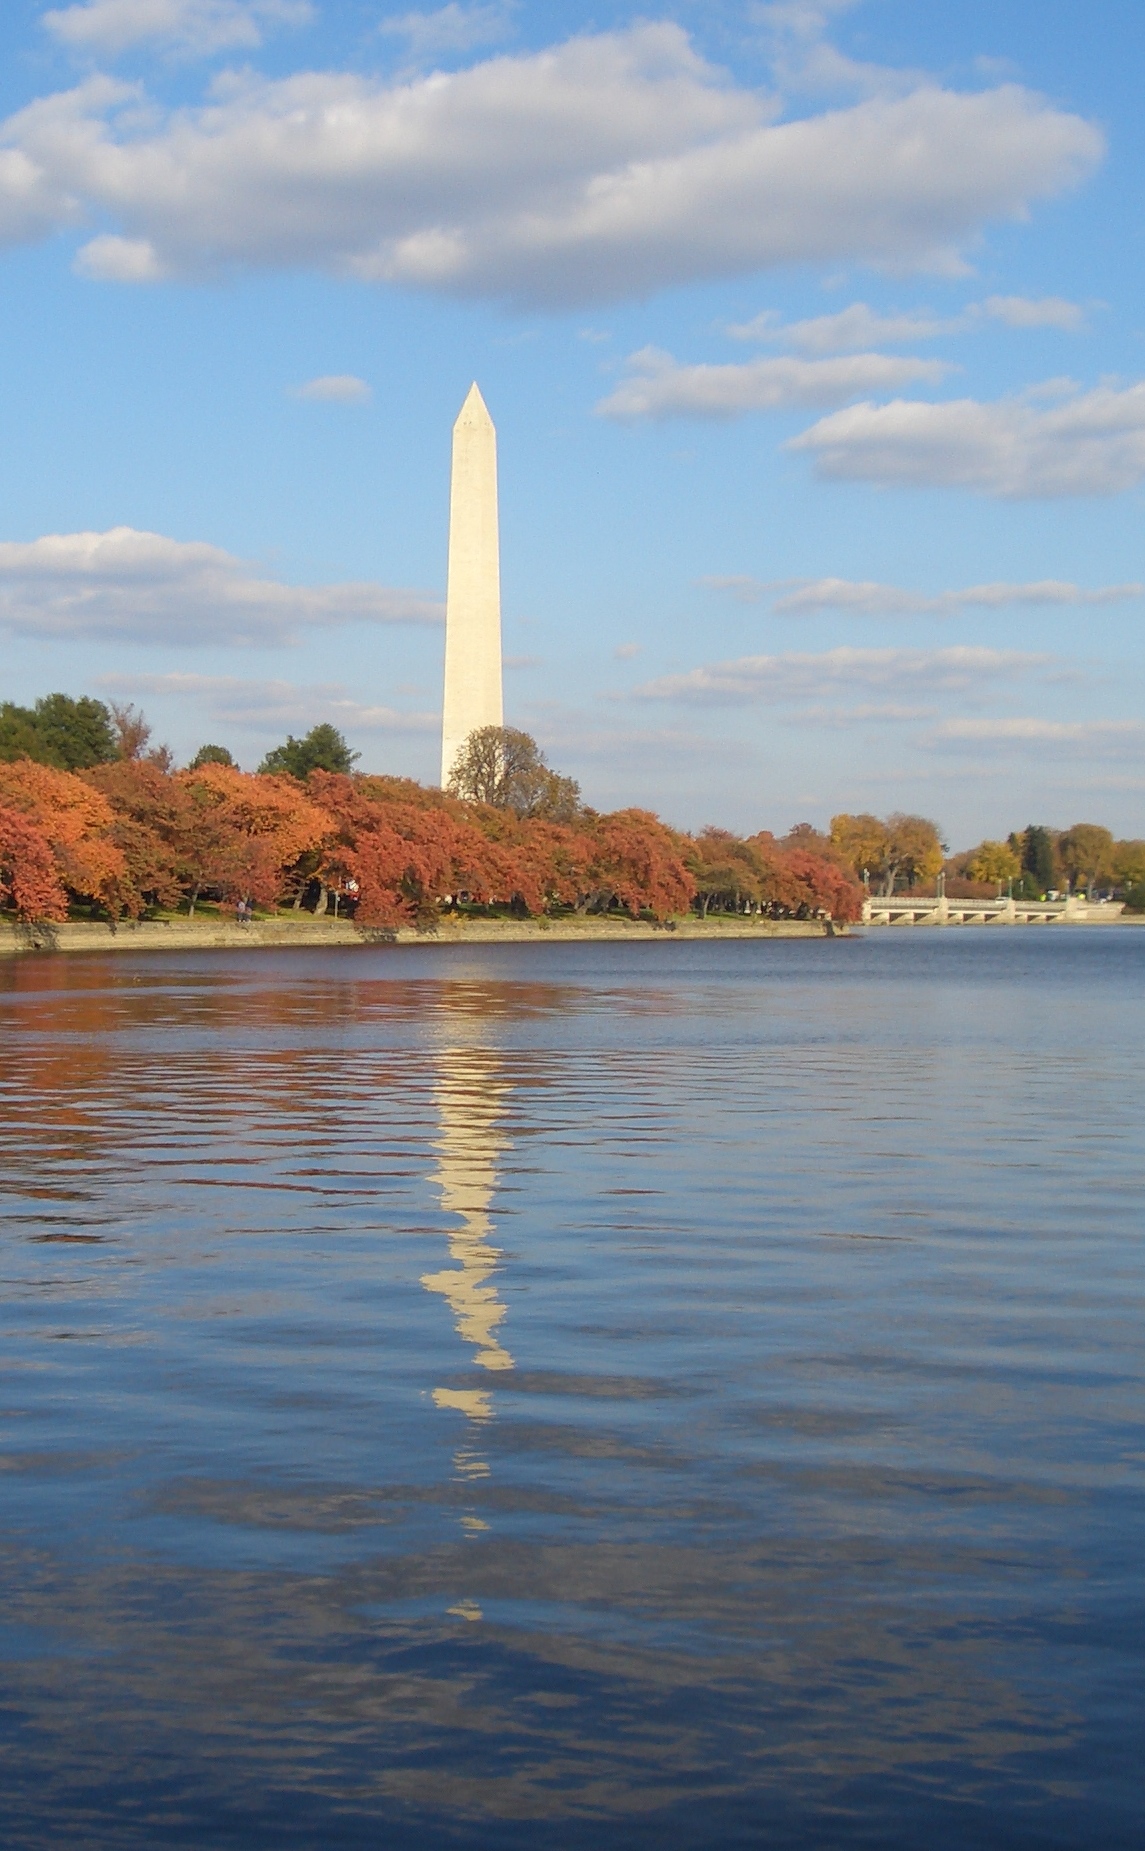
[{"x": 473, "y": 598}]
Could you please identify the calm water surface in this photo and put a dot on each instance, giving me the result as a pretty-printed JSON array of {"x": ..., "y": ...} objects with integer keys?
[{"x": 653, "y": 1395}]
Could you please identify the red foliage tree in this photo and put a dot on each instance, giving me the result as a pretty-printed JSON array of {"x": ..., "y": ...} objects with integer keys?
[
  {"x": 829, "y": 888},
  {"x": 639, "y": 865},
  {"x": 407, "y": 857},
  {"x": 805, "y": 885}
]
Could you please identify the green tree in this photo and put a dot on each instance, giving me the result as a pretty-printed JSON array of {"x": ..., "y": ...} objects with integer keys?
[
  {"x": 1038, "y": 858},
  {"x": 211, "y": 755},
  {"x": 71, "y": 735},
  {"x": 323, "y": 749},
  {"x": 505, "y": 768},
  {"x": 19, "y": 737}
]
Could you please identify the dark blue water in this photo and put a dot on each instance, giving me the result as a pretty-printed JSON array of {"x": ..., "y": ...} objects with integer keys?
[{"x": 643, "y": 1395}]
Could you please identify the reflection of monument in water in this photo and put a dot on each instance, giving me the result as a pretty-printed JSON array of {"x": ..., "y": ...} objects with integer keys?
[{"x": 470, "y": 1098}]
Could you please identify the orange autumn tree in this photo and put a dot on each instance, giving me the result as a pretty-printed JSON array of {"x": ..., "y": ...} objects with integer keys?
[
  {"x": 240, "y": 832},
  {"x": 76, "y": 823},
  {"x": 151, "y": 818},
  {"x": 29, "y": 878}
]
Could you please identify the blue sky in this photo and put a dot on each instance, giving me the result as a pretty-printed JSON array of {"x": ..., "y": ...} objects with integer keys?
[{"x": 813, "y": 333}]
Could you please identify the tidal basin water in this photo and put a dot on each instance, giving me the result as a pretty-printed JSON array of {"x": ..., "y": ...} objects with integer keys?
[{"x": 650, "y": 1395}]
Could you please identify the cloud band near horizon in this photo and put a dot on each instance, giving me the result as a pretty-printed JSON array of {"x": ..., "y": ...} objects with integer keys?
[
  {"x": 126, "y": 584},
  {"x": 773, "y": 680}
]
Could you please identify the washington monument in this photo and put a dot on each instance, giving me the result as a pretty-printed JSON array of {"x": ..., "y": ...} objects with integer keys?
[{"x": 473, "y": 592}]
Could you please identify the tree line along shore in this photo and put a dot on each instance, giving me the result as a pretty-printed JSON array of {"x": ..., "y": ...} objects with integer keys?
[{"x": 97, "y": 823}]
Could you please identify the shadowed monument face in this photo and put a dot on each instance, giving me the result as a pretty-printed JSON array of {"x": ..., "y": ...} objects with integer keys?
[{"x": 473, "y": 595}]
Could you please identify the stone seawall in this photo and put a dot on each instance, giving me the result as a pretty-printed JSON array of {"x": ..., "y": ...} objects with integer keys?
[{"x": 213, "y": 934}]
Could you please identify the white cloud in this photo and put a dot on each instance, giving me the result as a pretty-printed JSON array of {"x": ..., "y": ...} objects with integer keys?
[
  {"x": 335, "y": 389},
  {"x": 450, "y": 29},
  {"x": 1007, "y": 734},
  {"x": 860, "y": 326},
  {"x": 739, "y": 585},
  {"x": 846, "y": 331},
  {"x": 606, "y": 167},
  {"x": 274, "y": 706},
  {"x": 105, "y": 28},
  {"x": 146, "y": 587},
  {"x": 1046, "y": 312},
  {"x": 803, "y": 59},
  {"x": 868, "y": 598},
  {"x": 659, "y": 387},
  {"x": 777, "y": 680},
  {"x": 111, "y": 259},
  {"x": 1094, "y": 444},
  {"x": 867, "y": 713}
]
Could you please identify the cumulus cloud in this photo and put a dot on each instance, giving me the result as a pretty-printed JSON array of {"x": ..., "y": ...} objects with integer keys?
[
  {"x": 868, "y": 598},
  {"x": 659, "y": 387},
  {"x": 859, "y": 326},
  {"x": 335, "y": 389},
  {"x": 105, "y": 28},
  {"x": 450, "y": 29},
  {"x": 1093, "y": 444},
  {"x": 148, "y": 588},
  {"x": 777, "y": 680},
  {"x": 273, "y": 706},
  {"x": 602, "y": 168}
]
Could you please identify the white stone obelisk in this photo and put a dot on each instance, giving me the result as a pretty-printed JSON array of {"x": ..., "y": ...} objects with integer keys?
[{"x": 473, "y": 592}]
